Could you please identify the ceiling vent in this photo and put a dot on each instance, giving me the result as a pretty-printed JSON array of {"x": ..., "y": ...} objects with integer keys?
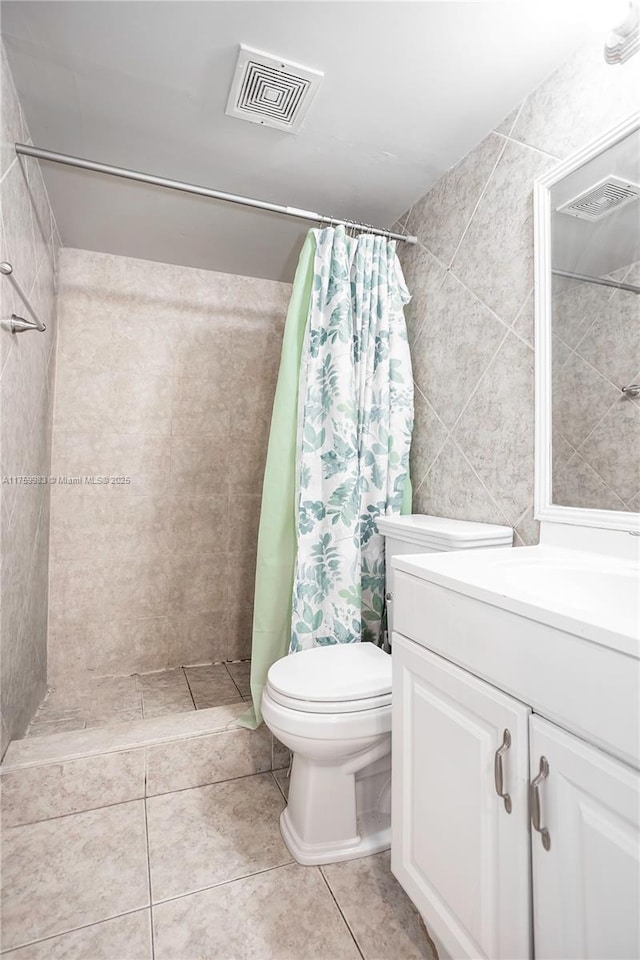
[
  {"x": 602, "y": 199},
  {"x": 271, "y": 91}
]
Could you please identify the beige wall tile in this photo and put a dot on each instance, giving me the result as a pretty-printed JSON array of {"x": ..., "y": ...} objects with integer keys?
[
  {"x": 201, "y": 408},
  {"x": 55, "y": 790},
  {"x": 441, "y": 217},
  {"x": 583, "y": 99},
  {"x": 173, "y": 353},
  {"x": 196, "y": 586},
  {"x": 198, "y": 637},
  {"x": 493, "y": 261},
  {"x": 28, "y": 240}
]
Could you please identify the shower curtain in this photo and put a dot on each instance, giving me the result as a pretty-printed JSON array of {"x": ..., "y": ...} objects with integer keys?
[{"x": 338, "y": 452}]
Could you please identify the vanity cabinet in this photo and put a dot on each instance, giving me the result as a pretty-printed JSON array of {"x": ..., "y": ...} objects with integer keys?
[
  {"x": 458, "y": 848},
  {"x": 467, "y": 856},
  {"x": 586, "y": 891}
]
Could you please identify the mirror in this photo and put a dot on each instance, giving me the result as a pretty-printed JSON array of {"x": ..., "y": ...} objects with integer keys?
[{"x": 588, "y": 335}]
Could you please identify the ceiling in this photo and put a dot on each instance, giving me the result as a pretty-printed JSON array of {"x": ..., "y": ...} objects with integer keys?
[{"x": 409, "y": 88}]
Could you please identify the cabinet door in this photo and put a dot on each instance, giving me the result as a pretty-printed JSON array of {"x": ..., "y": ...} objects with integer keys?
[
  {"x": 586, "y": 885},
  {"x": 461, "y": 857}
]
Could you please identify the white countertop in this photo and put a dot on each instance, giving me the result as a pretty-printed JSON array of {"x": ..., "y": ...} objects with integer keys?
[{"x": 593, "y": 596}]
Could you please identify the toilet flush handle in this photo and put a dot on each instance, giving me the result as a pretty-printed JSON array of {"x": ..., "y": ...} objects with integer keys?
[{"x": 388, "y": 596}]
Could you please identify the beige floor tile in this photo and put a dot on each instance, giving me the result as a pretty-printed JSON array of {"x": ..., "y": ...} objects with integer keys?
[
  {"x": 383, "y": 920},
  {"x": 230, "y": 830},
  {"x": 196, "y": 761},
  {"x": 61, "y": 874},
  {"x": 58, "y": 789},
  {"x": 212, "y": 686},
  {"x": 47, "y": 728},
  {"x": 123, "y": 937},
  {"x": 164, "y": 693},
  {"x": 287, "y": 914},
  {"x": 103, "y": 700},
  {"x": 240, "y": 672}
]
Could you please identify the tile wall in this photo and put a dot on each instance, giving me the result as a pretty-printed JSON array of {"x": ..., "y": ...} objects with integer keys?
[
  {"x": 596, "y": 430},
  {"x": 165, "y": 378},
  {"x": 471, "y": 317},
  {"x": 29, "y": 241}
]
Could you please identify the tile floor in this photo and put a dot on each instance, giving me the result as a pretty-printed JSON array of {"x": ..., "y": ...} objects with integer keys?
[
  {"x": 197, "y": 874},
  {"x": 118, "y": 699}
]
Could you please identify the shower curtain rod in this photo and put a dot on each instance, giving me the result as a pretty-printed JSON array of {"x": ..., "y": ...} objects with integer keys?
[
  {"x": 40, "y": 154},
  {"x": 600, "y": 280}
]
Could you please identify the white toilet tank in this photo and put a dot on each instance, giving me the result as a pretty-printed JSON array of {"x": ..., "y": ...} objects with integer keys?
[{"x": 419, "y": 533}]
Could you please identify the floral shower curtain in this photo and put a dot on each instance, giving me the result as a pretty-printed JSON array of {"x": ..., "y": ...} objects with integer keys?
[
  {"x": 355, "y": 417},
  {"x": 338, "y": 452}
]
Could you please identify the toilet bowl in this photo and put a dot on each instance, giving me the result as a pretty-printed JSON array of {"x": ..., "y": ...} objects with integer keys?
[{"x": 331, "y": 706}]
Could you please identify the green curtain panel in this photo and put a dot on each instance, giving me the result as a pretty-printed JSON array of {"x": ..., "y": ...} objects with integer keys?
[{"x": 276, "y": 554}]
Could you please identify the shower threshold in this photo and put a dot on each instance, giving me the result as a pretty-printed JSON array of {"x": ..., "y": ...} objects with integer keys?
[{"x": 103, "y": 701}]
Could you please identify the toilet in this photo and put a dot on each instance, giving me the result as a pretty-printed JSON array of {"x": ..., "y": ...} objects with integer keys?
[{"x": 331, "y": 706}]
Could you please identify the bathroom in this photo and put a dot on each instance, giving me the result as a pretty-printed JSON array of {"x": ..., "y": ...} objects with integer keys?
[{"x": 202, "y": 753}]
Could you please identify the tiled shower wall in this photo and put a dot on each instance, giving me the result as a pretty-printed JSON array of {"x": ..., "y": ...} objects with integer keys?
[
  {"x": 165, "y": 383},
  {"x": 29, "y": 241},
  {"x": 471, "y": 317},
  {"x": 596, "y": 429}
]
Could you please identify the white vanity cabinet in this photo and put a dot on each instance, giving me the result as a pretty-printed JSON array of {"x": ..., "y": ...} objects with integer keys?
[
  {"x": 477, "y": 873},
  {"x": 586, "y": 889},
  {"x": 459, "y": 849}
]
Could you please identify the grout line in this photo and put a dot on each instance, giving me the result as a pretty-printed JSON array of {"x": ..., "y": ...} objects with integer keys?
[
  {"x": 76, "y": 813},
  {"x": 234, "y": 682},
  {"x": 224, "y": 883},
  {"x": 84, "y": 926},
  {"x": 481, "y": 378},
  {"x": 146, "y": 831},
  {"x": 481, "y": 481},
  {"x": 527, "y": 146},
  {"x": 186, "y": 677},
  {"x": 278, "y": 786},
  {"x": 335, "y": 900},
  {"x": 479, "y": 200}
]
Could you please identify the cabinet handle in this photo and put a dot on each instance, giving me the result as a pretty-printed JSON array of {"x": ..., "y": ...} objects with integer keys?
[
  {"x": 498, "y": 770},
  {"x": 534, "y": 802}
]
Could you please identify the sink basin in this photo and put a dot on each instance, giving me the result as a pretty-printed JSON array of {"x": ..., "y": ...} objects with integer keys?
[
  {"x": 587, "y": 585},
  {"x": 594, "y": 596}
]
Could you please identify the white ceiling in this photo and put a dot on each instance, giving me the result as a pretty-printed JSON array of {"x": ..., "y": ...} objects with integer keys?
[{"x": 409, "y": 88}]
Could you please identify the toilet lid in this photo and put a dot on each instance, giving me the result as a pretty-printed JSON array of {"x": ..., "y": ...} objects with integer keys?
[{"x": 334, "y": 674}]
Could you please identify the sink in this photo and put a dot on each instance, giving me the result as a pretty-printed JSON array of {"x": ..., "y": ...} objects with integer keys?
[
  {"x": 594, "y": 596},
  {"x": 600, "y": 590}
]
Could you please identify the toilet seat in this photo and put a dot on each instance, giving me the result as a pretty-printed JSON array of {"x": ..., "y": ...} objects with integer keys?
[
  {"x": 337, "y": 679},
  {"x": 329, "y": 706}
]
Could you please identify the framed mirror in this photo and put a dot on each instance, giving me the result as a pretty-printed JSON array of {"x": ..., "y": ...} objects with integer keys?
[{"x": 587, "y": 277}]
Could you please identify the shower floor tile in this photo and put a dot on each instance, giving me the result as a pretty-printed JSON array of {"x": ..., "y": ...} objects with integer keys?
[{"x": 108, "y": 700}]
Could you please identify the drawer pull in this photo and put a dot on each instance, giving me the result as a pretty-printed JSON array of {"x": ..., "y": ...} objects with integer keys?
[
  {"x": 498, "y": 770},
  {"x": 534, "y": 802}
]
